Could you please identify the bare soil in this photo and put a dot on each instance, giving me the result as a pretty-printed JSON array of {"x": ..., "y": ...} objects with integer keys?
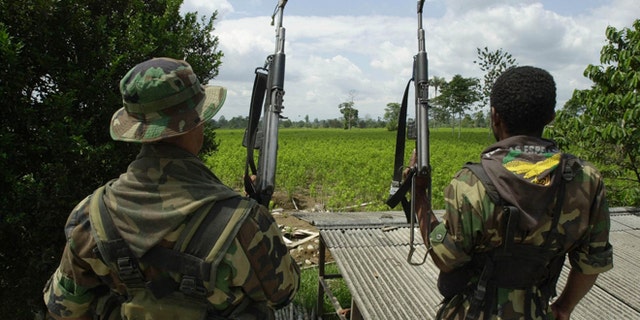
[{"x": 305, "y": 253}]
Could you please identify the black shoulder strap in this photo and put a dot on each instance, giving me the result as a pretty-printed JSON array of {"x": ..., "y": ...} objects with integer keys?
[
  {"x": 250, "y": 140},
  {"x": 478, "y": 299},
  {"x": 400, "y": 188}
]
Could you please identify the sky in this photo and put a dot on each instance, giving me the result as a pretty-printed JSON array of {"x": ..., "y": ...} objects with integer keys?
[{"x": 363, "y": 49}]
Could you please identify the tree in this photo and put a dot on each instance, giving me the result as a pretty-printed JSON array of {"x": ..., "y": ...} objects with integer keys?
[
  {"x": 479, "y": 119},
  {"x": 603, "y": 122},
  {"x": 439, "y": 115},
  {"x": 457, "y": 97},
  {"x": 349, "y": 113},
  {"x": 61, "y": 64},
  {"x": 392, "y": 115},
  {"x": 493, "y": 63},
  {"x": 436, "y": 83}
]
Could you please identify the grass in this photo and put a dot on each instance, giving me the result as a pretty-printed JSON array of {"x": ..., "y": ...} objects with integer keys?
[
  {"x": 307, "y": 295},
  {"x": 346, "y": 168}
]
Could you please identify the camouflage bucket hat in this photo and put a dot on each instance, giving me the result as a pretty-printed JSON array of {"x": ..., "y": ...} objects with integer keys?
[{"x": 162, "y": 97}]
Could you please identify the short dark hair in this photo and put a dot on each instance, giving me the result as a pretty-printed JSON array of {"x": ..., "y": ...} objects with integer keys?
[{"x": 525, "y": 99}]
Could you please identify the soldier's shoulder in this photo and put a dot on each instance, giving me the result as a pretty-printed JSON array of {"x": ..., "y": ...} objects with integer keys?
[{"x": 582, "y": 169}]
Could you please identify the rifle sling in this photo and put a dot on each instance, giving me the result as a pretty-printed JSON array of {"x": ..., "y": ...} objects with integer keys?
[
  {"x": 404, "y": 186},
  {"x": 401, "y": 136},
  {"x": 257, "y": 100}
]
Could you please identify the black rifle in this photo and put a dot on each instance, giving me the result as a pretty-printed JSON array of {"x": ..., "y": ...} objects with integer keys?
[
  {"x": 422, "y": 168},
  {"x": 269, "y": 81}
]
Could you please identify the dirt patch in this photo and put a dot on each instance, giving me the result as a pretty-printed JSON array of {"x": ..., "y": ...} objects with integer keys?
[{"x": 303, "y": 245}]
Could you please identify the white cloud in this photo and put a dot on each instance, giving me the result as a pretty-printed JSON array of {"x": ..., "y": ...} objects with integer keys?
[
  {"x": 208, "y": 6},
  {"x": 328, "y": 56}
]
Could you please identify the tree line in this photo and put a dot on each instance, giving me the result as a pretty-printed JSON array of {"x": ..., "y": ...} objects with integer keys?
[
  {"x": 478, "y": 119},
  {"x": 240, "y": 122}
]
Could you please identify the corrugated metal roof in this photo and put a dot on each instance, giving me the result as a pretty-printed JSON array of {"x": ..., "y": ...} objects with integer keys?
[
  {"x": 372, "y": 259},
  {"x": 385, "y": 280}
]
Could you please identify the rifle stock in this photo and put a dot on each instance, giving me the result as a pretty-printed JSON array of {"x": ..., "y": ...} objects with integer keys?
[{"x": 268, "y": 86}]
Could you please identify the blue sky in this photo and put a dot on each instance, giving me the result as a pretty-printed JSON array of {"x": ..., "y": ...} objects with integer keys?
[{"x": 366, "y": 46}]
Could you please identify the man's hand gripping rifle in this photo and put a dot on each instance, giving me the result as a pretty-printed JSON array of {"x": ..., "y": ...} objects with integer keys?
[
  {"x": 259, "y": 182},
  {"x": 419, "y": 170}
]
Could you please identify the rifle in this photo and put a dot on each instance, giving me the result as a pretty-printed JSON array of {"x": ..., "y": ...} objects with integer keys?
[
  {"x": 269, "y": 82},
  {"x": 422, "y": 167}
]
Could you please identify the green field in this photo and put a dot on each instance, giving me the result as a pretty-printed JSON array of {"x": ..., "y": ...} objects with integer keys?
[{"x": 343, "y": 170}]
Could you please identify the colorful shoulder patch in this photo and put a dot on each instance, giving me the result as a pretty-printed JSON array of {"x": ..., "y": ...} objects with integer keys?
[{"x": 538, "y": 172}]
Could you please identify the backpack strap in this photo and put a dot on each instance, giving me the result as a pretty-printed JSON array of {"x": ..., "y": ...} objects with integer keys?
[
  {"x": 512, "y": 213},
  {"x": 112, "y": 249},
  {"x": 195, "y": 255},
  {"x": 210, "y": 233},
  {"x": 479, "y": 172}
]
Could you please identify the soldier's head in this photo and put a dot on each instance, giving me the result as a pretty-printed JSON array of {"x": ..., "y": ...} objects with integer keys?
[
  {"x": 523, "y": 101},
  {"x": 163, "y": 99}
]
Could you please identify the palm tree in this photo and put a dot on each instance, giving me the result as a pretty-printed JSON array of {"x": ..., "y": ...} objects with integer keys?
[{"x": 437, "y": 82}]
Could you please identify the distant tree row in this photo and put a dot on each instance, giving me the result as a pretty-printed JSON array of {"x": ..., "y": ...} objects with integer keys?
[
  {"x": 475, "y": 120},
  {"x": 240, "y": 122}
]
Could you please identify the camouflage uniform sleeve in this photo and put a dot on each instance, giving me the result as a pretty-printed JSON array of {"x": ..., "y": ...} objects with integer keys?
[
  {"x": 70, "y": 290},
  {"x": 594, "y": 253},
  {"x": 266, "y": 271},
  {"x": 465, "y": 224}
]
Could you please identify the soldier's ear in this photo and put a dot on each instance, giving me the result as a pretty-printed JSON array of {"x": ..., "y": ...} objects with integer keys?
[
  {"x": 497, "y": 125},
  {"x": 495, "y": 117}
]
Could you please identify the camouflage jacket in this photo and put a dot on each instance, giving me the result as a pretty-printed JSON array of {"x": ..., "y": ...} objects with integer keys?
[
  {"x": 150, "y": 204},
  {"x": 523, "y": 170}
]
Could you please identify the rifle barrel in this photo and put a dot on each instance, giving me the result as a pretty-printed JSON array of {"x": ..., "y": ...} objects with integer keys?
[
  {"x": 423, "y": 168},
  {"x": 275, "y": 64},
  {"x": 421, "y": 75}
]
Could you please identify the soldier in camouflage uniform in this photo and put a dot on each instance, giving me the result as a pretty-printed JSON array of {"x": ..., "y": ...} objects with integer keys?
[
  {"x": 248, "y": 270},
  {"x": 526, "y": 171}
]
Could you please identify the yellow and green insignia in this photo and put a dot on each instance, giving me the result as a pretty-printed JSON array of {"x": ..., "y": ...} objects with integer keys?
[{"x": 532, "y": 171}]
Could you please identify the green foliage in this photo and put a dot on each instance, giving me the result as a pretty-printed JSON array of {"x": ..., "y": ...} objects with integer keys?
[
  {"x": 603, "y": 123},
  {"x": 349, "y": 113},
  {"x": 437, "y": 83},
  {"x": 457, "y": 96},
  {"x": 392, "y": 115},
  {"x": 209, "y": 145},
  {"x": 479, "y": 120},
  {"x": 308, "y": 293},
  {"x": 494, "y": 63},
  {"x": 346, "y": 170},
  {"x": 61, "y": 65}
]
